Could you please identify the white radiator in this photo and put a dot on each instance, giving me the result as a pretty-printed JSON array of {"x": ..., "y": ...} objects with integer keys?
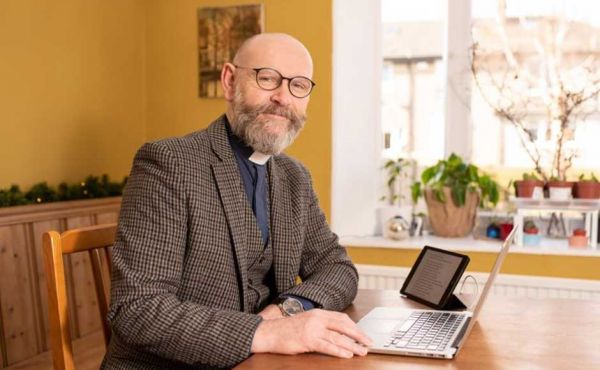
[{"x": 383, "y": 277}]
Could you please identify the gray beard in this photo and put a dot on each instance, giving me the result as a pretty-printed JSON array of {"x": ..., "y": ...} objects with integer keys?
[{"x": 246, "y": 125}]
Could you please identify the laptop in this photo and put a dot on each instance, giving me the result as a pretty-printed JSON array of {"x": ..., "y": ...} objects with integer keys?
[{"x": 427, "y": 333}]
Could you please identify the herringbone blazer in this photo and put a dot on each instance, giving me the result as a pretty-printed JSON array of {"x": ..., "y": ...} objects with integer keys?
[{"x": 180, "y": 258}]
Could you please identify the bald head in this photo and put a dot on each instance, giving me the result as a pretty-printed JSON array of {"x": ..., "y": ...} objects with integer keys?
[
  {"x": 267, "y": 119},
  {"x": 278, "y": 51}
]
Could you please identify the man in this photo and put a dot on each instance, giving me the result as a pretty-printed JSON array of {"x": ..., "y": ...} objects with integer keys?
[{"x": 216, "y": 226}]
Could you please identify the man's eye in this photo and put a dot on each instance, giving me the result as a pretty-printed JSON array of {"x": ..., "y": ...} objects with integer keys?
[
  {"x": 267, "y": 79},
  {"x": 301, "y": 85}
]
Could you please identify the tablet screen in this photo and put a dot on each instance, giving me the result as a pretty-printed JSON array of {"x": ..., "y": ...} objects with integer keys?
[{"x": 434, "y": 276}]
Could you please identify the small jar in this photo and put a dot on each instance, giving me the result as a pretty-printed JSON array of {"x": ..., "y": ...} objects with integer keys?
[{"x": 578, "y": 239}]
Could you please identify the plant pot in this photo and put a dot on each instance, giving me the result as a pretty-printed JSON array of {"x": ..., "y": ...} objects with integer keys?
[
  {"x": 505, "y": 229},
  {"x": 578, "y": 241},
  {"x": 447, "y": 219},
  {"x": 560, "y": 190},
  {"x": 531, "y": 239},
  {"x": 529, "y": 189},
  {"x": 587, "y": 189}
]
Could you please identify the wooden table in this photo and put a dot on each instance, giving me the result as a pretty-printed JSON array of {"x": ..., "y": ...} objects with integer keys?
[{"x": 512, "y": 333}]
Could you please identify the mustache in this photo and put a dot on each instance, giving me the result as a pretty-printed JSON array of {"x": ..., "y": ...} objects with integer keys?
[{"x": 269, "y": 108}]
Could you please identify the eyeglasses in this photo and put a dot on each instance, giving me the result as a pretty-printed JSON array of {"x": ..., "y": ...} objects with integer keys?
[{"x": 270, "y": 79}]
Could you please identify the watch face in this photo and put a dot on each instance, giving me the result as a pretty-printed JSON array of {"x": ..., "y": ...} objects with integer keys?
[{"x": 292, "y": 306}]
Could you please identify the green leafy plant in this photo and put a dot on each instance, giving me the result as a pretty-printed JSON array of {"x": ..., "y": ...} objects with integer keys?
[
  {"x": 41, "y": 193},
  {"x": 91, "y": 187},
  {"x": 12, "y": 196},
  {"x": 460, "y": 177},
  {"x": 395, "y": 169},
  {"x": 530, "y": 227},
  {"x": 592, "y": 177},
  {"x": 530, "y": 176}
]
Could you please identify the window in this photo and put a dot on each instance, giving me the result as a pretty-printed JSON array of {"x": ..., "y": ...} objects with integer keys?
[
  {"x": 412, "y": 88},
  {"x": 403, "y": 87}
]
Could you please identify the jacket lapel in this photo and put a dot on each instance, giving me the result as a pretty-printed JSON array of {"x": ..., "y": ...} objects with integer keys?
[
  {"x": 284, "y": 231},
  {"x": 228, "y": 182}
]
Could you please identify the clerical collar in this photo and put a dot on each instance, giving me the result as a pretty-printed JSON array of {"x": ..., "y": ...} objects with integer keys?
[
  {"x": 259, "y": 158},
  {"x": 243, "y": 149}
]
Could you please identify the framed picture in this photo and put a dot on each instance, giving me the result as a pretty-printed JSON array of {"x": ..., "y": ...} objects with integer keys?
[{"x": 221, "y": 31}]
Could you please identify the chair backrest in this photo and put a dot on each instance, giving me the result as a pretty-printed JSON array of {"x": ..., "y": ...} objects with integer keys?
[{"x": 96, "y": 240}]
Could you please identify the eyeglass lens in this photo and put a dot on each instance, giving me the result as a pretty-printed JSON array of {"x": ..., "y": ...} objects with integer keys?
[{"x": 270, "y": 79}]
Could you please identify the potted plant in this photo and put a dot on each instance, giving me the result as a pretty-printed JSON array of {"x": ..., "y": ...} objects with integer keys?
[
  {"x": 530, "y": 186},
  {"x": 531, "y": 233},
  {"x": 452, "y": 190},
  {"x": 578, "y": 239},
  {"x": 396, "y": 171},
  {"x": 560, "y": 188},
  {"x": 587, "y": 188}
]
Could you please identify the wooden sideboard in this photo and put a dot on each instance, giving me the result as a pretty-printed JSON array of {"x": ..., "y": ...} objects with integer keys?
[{"x": 23, "y": 297}]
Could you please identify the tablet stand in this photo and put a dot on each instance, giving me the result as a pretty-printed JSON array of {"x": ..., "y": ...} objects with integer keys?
[{"x": 453, "y": 303}]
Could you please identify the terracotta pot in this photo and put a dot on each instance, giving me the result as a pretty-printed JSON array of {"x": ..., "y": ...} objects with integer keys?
[
  {"x": 525, "y": 188},
  {"x": 447, "y": 219},
  {"x": 587, "y": 189}
]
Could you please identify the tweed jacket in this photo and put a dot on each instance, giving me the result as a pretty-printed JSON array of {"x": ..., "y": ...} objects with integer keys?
[{"x": 180, "y": 258}]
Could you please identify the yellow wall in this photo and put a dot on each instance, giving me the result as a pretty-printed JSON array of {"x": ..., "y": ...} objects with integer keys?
[
  {"x": 172, "y": 68},
  {"x": 84, "y": 83},
  {"x": 71, "y": 89},
  {"x": 575, "y": 267}
]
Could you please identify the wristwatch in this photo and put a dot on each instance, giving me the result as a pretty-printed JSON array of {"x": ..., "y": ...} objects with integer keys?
[{"x": 289, "y": 306}]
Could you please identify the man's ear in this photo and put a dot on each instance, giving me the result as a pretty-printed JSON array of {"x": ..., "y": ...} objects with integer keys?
[{"x": 227, "y": 79}]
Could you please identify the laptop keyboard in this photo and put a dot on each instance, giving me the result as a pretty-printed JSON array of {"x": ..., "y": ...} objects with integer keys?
[{"x": 426, "y": 330}]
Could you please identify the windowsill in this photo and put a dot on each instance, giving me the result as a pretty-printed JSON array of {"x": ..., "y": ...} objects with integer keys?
[{"x": 467, "y": 244}]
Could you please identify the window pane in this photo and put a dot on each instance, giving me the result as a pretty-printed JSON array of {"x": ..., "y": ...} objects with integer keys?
[
  {"x": 413, "y": 80},
  {"x": 532, "y": 55}
]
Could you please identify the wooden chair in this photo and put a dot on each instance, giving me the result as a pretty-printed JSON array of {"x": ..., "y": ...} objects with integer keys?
[{"x": 92, "y": 239}]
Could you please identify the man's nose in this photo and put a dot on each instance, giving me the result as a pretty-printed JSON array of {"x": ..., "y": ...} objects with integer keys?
[{"x": 282, "y": 95}]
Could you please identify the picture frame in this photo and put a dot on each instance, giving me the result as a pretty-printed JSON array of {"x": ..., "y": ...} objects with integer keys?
[{"x": 221, "y": 31}]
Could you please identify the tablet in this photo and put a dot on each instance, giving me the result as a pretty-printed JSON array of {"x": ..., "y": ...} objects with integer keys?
[{"x": 434, "y": 276}]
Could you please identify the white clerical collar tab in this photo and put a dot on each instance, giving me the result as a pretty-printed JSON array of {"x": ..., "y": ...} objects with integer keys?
[{"x": 259, "y": 158}]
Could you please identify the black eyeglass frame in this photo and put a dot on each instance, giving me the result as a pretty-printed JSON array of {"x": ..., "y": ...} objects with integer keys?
[{"x": 282, "y": 77}]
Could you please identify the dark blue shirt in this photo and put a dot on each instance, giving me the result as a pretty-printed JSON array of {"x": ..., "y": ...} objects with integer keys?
[{"x": 254, "y": 178}]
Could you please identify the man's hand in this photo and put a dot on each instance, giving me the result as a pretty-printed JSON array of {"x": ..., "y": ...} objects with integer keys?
[
  {"x": 327, "y": 332},
  {"x": 271, "y": 312}
]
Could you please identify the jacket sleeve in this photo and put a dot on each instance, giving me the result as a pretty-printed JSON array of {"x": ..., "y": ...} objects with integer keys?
[
  {"x": 329, "y": 277},
  {"x": 148, "y": 258}
]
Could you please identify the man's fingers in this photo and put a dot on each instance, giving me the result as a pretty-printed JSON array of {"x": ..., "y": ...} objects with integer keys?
[
  {"x": 328, "y": 348},
  {"x": 346, "y": 343},
  {"x": 342, "y": 324}
]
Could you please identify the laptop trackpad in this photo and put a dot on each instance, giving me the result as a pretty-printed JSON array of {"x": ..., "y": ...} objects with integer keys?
[{"x": 383, "y": 320}]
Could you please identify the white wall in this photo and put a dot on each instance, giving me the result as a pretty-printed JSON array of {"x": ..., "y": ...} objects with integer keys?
[{"x": 356, "y": 110}]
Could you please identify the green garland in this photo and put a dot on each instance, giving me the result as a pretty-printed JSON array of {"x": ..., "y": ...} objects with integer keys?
[{"x": 91, "y": 187}]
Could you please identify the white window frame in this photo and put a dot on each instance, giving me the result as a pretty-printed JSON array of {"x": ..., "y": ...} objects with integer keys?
[{"x": 356, "y": 110}]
